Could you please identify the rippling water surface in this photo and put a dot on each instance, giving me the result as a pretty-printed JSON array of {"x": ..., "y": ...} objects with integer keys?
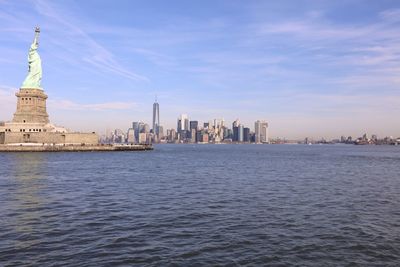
[{"x": 202, "y": 205}]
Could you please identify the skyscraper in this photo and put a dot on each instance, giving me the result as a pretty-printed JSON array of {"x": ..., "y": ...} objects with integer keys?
[
  {"x": 235, "y": 129},
  {"x": 246, "y": 134},
  {"x": 156, "y": 117},
  {"x": 194, "y": 125},
  {"x": 193, "y": 129},
  {"x": 183, "y": 123},
  {"x": 146, "y": 128},
  {"x": 160, "y": 132},
  {"x": 261, "y": 131},
  {"x": 131, "y": 136},
  {"x": 137, "y": 127},
  {"x": 186, "y": 124},
  {"x": 240, "y": 133},
  {"x": 183, "y": 126}
]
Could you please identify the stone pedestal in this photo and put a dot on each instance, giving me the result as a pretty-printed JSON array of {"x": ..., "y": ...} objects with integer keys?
[{"x": 31, "y": 106}]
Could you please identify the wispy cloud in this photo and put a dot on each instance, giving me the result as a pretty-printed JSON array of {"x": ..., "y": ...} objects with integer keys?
[
  {"x": 96, "y": 54},
  {"x": 70, "y": 105},
  {"x": 363, "y": 55},
  {"x": 391, "y": 15},
  {"x": 156, "y": 57},
  {"x": 314, "y": 61},
  {"x": 8, "y": 103}
]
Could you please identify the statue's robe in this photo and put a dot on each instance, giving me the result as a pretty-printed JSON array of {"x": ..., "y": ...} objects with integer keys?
[{"x": 34, "y": 77}]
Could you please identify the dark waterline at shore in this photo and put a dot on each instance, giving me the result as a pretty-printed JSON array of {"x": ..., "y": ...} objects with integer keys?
[{"x": 202, "y": 205}]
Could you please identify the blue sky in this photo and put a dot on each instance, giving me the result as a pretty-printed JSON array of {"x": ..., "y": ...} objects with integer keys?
[{"x": 310, "y": 68}]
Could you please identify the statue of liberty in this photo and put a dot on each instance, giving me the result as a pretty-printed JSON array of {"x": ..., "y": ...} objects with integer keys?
[{"x": 34, "y": 77}]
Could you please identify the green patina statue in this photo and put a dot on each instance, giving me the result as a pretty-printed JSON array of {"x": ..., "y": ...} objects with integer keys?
[{"x": 35, "y": 65}]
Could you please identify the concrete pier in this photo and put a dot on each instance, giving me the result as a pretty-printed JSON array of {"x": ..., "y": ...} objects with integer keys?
[{"x": 71, "y": 148}]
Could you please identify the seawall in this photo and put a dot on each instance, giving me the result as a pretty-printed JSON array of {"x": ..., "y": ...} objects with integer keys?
[{"x": 72, "y": 148}]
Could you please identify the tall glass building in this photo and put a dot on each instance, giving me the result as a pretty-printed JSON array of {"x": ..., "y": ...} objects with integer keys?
[{"x": 156, "y": 117}]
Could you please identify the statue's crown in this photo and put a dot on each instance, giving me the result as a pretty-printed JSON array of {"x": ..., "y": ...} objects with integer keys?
[{"x": 37, "y": 29}]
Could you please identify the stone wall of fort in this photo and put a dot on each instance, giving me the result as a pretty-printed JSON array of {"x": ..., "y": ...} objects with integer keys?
[
  {"x": 49, "y": 138},
  {"x": 79, "y": 138}
]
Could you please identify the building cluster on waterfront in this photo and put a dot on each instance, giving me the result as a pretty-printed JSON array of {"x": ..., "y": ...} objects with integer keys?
[
  {"x": 189, "y": 131},
  {"x": 218, "y": 131},
  {"x": 363, "y": 140}
]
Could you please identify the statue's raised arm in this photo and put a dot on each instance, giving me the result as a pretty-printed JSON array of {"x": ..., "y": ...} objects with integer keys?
[
  {"x": 34, "y": 77},
  {"x": 37, "y": 32}
]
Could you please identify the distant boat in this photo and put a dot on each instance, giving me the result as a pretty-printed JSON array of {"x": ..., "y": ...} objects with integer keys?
[{"x": 361, "y": 143}]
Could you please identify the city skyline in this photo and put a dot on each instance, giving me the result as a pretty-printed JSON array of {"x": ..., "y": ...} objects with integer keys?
[
  {"x": 217, "y": 130},
  {"x": 311, "y": 69}
]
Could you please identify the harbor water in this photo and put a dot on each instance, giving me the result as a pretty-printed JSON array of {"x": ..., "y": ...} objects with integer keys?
[{"x": 202, "y": 205}]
